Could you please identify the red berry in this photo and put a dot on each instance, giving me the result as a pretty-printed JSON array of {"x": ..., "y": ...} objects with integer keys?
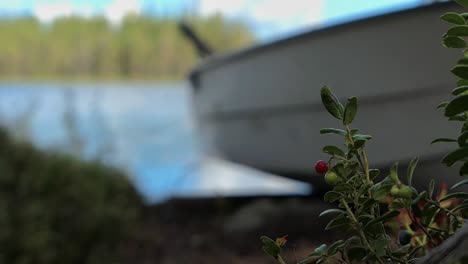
[{"x": 321, "y": 167}]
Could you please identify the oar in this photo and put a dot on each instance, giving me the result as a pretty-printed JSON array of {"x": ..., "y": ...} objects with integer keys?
[{"x": 201, "y": 46}]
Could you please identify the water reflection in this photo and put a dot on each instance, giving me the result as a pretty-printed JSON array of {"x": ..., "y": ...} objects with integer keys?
[{"x": 143, "y": 128}]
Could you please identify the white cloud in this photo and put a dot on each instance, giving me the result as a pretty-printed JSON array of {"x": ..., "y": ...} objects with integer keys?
[
  {"x": 269, "y": 17},
  {"x": 227, "y": 7},
  {"x": 118, "y": 9},
  {"x": 114, "y": 12},
  {"x": 47, "y": 12}
]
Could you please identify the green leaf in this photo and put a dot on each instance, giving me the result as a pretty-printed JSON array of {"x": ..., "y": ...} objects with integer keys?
[
  {"x": 310, "y": 259},
  {"x": 463, "y": 61},
  {"x": 388, "y": 215},
  {"x": 462, "y": 82},
  {"x": 460, "y": 90},
  {"x": 442, "y": 105},
  {"x": 321, "y": 249},
  {"x": 460, "y": 30},
  {"x": 381, "y": 190},
  {"x": 464, "y": 128},
  {"x": 364, "y": 218},
  {"x": 337, "y": 222},
  {"x": 415, "y": 251},
  {"x": 460, "y": 71},
  {"x": 331, "y": 103},
  {"x": 428, "y": 213},
  {"x": 463, "y": 139},
  {"x": 397, "y": 204},
  {"x": 464, "y": 169},
  {"x": 420, "y": 197},
  {"x": 334, "y": 151},
  {"x": 361, "y": 137},
  {"x": 394, "y": 173},
  {"x": 332, "y": 211},
  {"x": 333, "y": 248},
  {"x": 333, "y": 131},
  {"x": 431, "y": 188},
  {"x": 374, "y": 173},
  {"x": 460, "y": 117},
  {"x": 463, "y": 3},
  {"x": 462, "y": 206},
  {"x": 437, "y": 140},
  {"x": 401, "y": 251},
  {"x": 462, "y": 195},
  {"x": 362, "y": 189},
  {"x": 350, "y": 110},
  {"x": 343, "y": 187},
  {"x": 453, "y": 18},
  {"x": 380, "y": 244},
  {"x": 453, "y": 42},
  {"x": 331, "y": 196},
  {"x": 368, "y": 203},
  {"x": 359, "y": 143},
  {"x": 455, "y": 156},
  {"x": 457, "y": 106},
  {"x": 270, "y": 247},
  {"x": 460, "y": 183},
  {"x": 410, "y": 171}
]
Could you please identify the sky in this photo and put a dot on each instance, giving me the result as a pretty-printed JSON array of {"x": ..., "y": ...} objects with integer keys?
[{"x": 268, "y": 18}]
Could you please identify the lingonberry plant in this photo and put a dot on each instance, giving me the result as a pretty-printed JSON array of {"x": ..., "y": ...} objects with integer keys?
[
  {"x": 457, "y": 108},
  {"x": 390, "y": 221}
]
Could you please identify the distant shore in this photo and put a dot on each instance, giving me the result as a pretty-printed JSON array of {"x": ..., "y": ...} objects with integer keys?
[{"x": 141, "y": 48}]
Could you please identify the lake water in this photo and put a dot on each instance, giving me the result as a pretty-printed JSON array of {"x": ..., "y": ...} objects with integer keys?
[{"x": 145, "y": 129}]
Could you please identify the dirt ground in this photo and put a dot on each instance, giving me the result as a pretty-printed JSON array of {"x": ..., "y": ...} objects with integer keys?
[{"x": 227, "y": 230}]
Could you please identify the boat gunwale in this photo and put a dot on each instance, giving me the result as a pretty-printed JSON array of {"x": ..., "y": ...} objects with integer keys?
[{"x": 217, "y": 60}]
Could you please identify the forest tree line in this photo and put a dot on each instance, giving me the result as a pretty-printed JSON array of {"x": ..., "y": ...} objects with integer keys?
[{"x": 141, "y": 47}]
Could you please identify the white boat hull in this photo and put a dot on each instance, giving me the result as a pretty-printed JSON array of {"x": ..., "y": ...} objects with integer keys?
[{"x": 261, "y": 107}]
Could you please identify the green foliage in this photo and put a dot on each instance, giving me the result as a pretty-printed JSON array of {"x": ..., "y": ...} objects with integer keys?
[
  {"x": 411, "y": 168},
  {"x": 458, "y": 31},
  {"x": 350, "y": 111},
  {"x": 56, "y": 209},
  {"x": 463, "y": 3},
  {"x": 90, "y": 48},
  {"x": 454, "y": 42},
  {"x": 331, "y": 103},
  {"x": 390, "y": 221},
  {"x": 270, "y": 247},
  {"x": 457, "y": 108},
  {"x": 453, "y": 18}
]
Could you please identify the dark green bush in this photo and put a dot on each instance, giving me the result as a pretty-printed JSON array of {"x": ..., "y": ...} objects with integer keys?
[{"x": 57, "y": 209}]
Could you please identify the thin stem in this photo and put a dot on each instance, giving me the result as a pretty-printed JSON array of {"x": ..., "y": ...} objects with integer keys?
[
  {"x": 359, "y": 230},
  {"x": 281, "y": 260},
  {"x": 364, "y": 165},
  {"x": 396, "y": 259},
  {"x": 421, "y": 227},
  {"x": 445, "y": 209},
  {"x": 350, "y": 138}
]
